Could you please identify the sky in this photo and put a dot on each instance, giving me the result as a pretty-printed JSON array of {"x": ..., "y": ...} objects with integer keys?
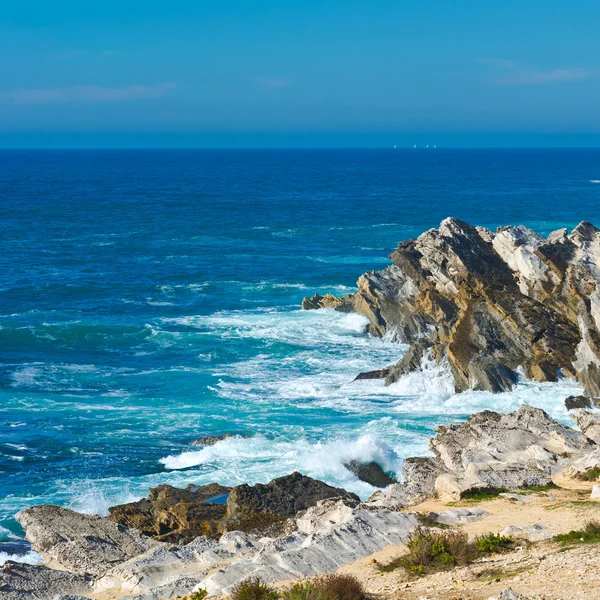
[{"x": 303, "y": 72}]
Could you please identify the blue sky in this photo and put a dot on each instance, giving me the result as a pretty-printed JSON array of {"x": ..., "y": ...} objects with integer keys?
[{"x": 299, "y": 72}]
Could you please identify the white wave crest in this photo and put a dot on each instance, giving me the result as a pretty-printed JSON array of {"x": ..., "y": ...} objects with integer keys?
[{"x": 31, "y": 558}]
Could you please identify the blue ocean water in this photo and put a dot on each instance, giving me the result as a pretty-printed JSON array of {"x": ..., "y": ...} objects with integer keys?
[{"x": 148, "y": 298}]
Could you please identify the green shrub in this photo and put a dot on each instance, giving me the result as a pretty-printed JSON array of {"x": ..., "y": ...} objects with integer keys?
[
  {"x": 253, "y": 589},
  {"x": 493, "y": 542},
  {"x": 430, "y": 551},
  {"x": 590, "y": 534},
  {"x": 481, "y": 494},
  {"x": 591, "y": 474},
  {"x": 305, "y": 590},
  {"x": 337, "y": 586}
]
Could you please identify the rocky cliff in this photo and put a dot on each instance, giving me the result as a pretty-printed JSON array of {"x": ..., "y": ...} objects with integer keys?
[{"x": 488, "y": 304}]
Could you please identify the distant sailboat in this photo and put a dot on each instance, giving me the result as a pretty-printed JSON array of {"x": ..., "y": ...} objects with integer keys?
[
  {"x": 415, "y": 146},
  {"x": 394, "y": 146},
  {"x": 427, "y": 146}
]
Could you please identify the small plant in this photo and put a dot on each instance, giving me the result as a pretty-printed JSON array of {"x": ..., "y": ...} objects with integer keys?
[
  {"x": 253, "y": 589},
  {"x": 589, "y": 535},
  {"x": 305, "y": 590},
  {"x": 532, "y": 489},
  {"x": 199, "y": 595},
  {"x": 493, "y": 542},
  {"x": 591, "y": 474},
  {"x": 338, "y": 586},
  {"x": 481, "y": 494},
  {"x": 431, "y": 551}
]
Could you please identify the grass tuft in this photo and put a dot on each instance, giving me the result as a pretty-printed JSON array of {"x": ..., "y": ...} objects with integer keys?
[
  {"x": 493, "y": 542},
  {"x": 481, "y": 494},
  {"x": 253, "y": 589},
  {"x": 199, "y": 595},
  {"x": 591, "y": 474},
  {"x": 590, "y": 534}
]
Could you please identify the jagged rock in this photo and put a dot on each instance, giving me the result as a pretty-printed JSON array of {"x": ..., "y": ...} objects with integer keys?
[
  {"x": 328, "y": 301},
  {"x": 258, "y": 506},
  {"x": 377, "y": 374},
  {"x": 491, "y": 303},
  {"x": 370, "y": 473},
  {"x": 174, "y": 515},
  {"x": 80, "y": 543},
  {"x": 588, "y": 422},
  {"x": 595, "y": 495},
  {"x": 573, "y": 402},
  {"x": 19, "y": 581},
  {"x": 411, "y": 361},
  {"x": 491, "y": 450}
]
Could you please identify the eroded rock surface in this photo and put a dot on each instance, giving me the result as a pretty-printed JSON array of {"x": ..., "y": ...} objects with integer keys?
[
  {"x": 255, "y": 507},
  {"x": 174, "y": 515},
  {"x": 19, "y": 581},
  {"x": 490, "y": 303},
  {"x": 80, "y": 543}
]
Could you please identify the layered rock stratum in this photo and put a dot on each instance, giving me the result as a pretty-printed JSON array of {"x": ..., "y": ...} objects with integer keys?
[{"x": 489, "y": 305}]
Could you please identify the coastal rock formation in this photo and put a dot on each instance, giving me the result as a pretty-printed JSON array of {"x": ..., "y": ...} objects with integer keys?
[
  {"x": 80, "y": 543},
  {"x": 588, "y": 422},
  {"x": 296, "y": 526},
  {"x": 490, "y": 450},
  {"x": 174, "y": 515},
  {"x": 179, "y": 515},
  {"x": 258, "y": 506},
  {"x": 489, "y": 304}
]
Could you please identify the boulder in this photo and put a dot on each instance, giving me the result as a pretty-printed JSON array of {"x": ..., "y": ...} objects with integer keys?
[
  {"x": 19, "y": 581},
  {"x": 175, "y": 515},
  {"x": 370, "y": 473},
  {"x": 572, "y": 402},
  {"x": 256, "y": 507},
  {"x": 80, "y": 543},
  {"x": 595, "y": 495}
]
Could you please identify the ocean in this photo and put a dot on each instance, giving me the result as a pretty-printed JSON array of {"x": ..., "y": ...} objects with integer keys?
[{"x": 148, "y": 298}]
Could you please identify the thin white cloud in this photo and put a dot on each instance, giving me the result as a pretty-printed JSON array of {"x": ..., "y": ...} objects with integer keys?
[
  {"x": 551, "y": 76},
  {"x": 273, "y": 82},
  {"x": 85, "y": 93}
]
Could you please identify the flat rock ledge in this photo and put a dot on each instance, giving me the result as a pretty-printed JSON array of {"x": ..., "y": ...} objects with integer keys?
[
  {"x": 314, "y": 534},
  {"x": 487, "y": 304}
]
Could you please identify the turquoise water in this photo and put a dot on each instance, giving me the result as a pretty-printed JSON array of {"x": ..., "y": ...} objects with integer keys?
[{"x": 152, "y": 297}]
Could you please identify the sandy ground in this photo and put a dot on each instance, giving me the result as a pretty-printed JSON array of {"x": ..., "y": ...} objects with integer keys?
[{"x": 543, "y": 570}]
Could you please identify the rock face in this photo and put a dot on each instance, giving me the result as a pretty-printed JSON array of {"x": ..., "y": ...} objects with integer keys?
[
  {"x": 588, "y": 422},
  {"x": 252, "y": 507},
  {"x": 370, "y": 473},
  {"x": 174, "y": 515},
  {"x": 490, "y": 450},
  {"x": 19, "y": 581},
  {"x": 80, "y": 543},
  {"x": 489, "y": 303}
]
